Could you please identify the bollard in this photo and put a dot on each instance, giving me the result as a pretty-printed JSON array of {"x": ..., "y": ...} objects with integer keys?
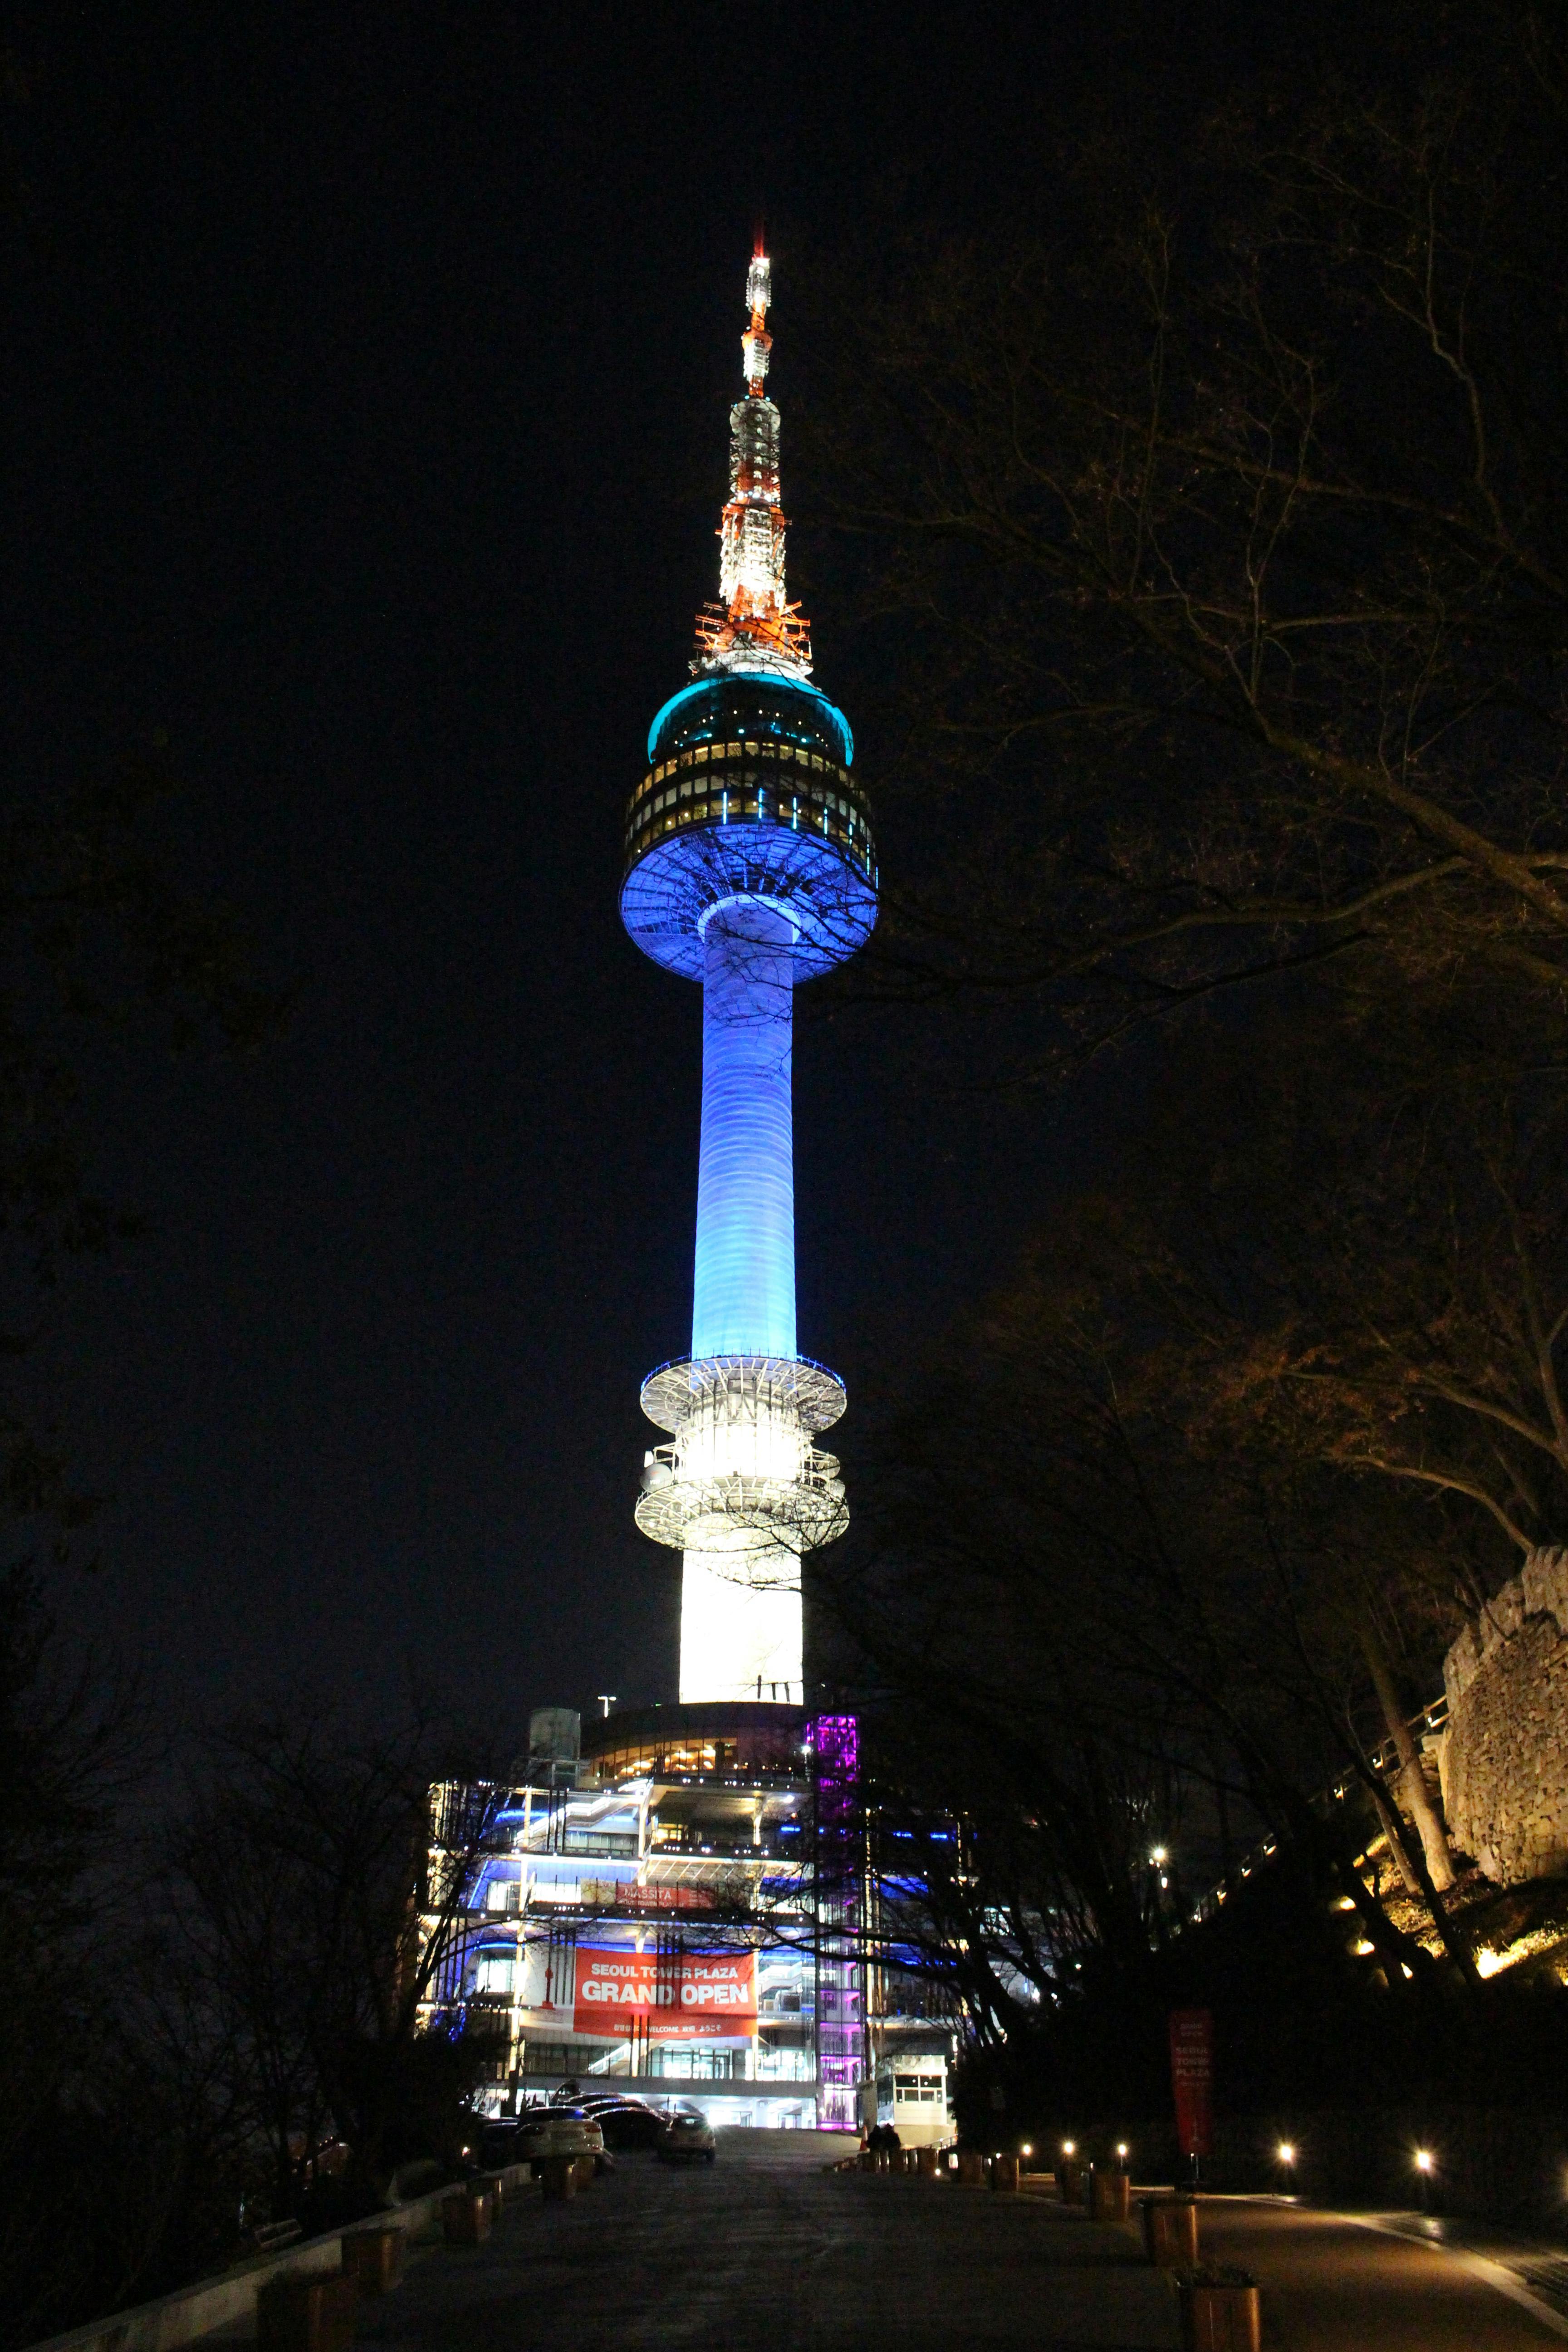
[
  {"x": 1070, "y": 2181},
  {"x": 558, "y": 2177},
  {"x": 1170, "y": 2231},
  {"x": 925, "y": 2163},
  {"x": 1108, "y": 2193},
  {"x": 464, "y": 2219},
  {"x": 970, "y": 2167},
  {"x": 1005, "y": 2172},
  {"x": 374, "y": 2258},
  {"x": 1219, "y": 2311},
  {"x": 307, "y": 2315}
]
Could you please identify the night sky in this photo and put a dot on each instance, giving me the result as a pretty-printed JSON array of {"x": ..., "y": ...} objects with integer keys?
[{"x": 365, "y": 385}]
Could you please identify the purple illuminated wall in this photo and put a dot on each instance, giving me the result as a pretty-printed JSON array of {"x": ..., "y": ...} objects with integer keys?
[{"x": 840, "y": 1968}]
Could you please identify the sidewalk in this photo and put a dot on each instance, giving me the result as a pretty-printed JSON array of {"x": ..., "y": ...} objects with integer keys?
[{"x": 1388, "y": 2281}]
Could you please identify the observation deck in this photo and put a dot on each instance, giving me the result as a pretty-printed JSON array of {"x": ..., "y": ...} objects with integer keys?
[{"x": 750, "y": 795}]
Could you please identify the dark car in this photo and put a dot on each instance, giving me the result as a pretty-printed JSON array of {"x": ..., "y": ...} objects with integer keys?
[
  {"x": 627, "y": 2123},
  {"x": 686, "y": 2138},
  {"x": 495, "y": 2143}
]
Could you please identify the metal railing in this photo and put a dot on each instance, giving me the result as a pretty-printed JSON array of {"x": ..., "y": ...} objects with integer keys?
[{"x": 1383, "y": 1760}]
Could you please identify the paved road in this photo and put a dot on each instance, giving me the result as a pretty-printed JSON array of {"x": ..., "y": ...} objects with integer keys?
[
  {"x": 767, "y": 2252},
  {"x": 763, "y": 2251}
]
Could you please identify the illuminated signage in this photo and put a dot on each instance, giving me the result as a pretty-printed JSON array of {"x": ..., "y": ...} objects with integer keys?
[{"x": 673, "y": 1996}]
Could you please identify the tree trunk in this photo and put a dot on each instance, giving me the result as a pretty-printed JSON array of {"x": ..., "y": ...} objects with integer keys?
[
  {"x": 1393, "y": 1831},
  {"x": 1411, "y": 1780}
]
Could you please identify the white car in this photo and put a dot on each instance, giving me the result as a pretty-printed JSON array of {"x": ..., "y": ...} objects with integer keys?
[
  {"x": 686, "y": 2138},
  {"x": 544, "y": 2132}
]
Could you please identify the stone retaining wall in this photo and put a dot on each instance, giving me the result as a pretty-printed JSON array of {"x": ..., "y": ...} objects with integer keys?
[{"x": 1504, "y": 1759}]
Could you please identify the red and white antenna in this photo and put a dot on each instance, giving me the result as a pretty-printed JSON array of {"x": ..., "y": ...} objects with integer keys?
[{"x": 752, "y": 627}]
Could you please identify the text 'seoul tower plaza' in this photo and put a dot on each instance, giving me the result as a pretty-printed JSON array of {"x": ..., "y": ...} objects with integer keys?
[{"x": 749, "y": 867}]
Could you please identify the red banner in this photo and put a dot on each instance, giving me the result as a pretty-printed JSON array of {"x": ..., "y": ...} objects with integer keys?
[
  {"x": 1191, "y": 2079},
  {"x": 678, "y": 1996}
]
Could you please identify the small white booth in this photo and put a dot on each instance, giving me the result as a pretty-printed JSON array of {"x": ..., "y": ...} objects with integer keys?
[{"x": 910, "y": 2093}]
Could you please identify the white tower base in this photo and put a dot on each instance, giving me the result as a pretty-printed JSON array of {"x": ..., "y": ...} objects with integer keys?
[{"x": 741, "y": 1641}]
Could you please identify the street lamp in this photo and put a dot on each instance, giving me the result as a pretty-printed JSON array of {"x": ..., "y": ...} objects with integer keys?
[
  {"x": 1285, "y": 2158},
  {"x": 1069, "y": 2147},
  {"x": 1424, "y": 2166}
]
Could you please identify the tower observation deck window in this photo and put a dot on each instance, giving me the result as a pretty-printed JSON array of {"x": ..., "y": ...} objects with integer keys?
[{"x": 732, "y": 788}]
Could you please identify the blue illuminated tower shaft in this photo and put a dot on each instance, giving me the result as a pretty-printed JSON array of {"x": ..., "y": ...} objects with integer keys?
[
  {"x": 743, "y": 1293},
  {"x": 742, "y": 1305}
]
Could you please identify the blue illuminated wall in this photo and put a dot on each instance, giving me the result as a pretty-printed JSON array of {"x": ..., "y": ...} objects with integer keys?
[{"x": 743, "y": 1301}]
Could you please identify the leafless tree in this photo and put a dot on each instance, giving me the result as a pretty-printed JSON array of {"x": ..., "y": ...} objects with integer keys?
[
  {"x": 1212, "y": 533},
  {"x": 319, "y": 1916}
]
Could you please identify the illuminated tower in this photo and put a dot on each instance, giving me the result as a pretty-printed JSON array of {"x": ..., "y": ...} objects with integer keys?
[{"x": 749, "y": 867}]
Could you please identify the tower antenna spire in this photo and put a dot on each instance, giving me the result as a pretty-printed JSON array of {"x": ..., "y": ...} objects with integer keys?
[{"x": 752, "y": 627}]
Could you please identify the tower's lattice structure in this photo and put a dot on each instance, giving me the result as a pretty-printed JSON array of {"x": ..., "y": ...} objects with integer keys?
[{"x": 749, "y": 867}]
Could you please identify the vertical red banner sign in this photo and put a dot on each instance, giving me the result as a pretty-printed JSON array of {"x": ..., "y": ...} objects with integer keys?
[{"x": 1191, "y": 2079}]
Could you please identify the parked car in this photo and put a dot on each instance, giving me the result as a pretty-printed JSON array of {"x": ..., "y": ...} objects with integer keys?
[
  {"x": 494, "y": 2141},
  {"x": 627, "y": 2123},
  {"x": 544, "y": 2132},
  {"x": 685, "y": 2138}
]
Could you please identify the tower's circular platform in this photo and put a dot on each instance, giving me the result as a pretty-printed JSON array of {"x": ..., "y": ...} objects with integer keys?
[{"x": 749, "y": 795}]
